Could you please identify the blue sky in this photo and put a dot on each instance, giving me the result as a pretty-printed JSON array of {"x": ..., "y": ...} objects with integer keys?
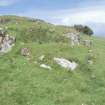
[{"x": 66, "y": 12}]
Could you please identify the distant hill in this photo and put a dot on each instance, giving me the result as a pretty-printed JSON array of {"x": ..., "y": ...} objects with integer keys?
[{"x": 29, "y": 29}]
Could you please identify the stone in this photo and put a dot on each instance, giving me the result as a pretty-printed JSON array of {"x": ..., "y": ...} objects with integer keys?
[
  {"x": 90, "y": 62},
  {"x": 93, "y": 76},
  {"x": 41, "y": 57},
  {"x": 87, "y": 43},
  {"x": 66, "y": 63},
  {"x": 25, "y": 52},
  {"x": 6, "y": 43},
  {"x": 74, "y": 38},
  {"x": 90, "y": 51},
  {"x": 2, "y": 32},
  {"x": 1, "y": 39},
  {"x": 45, "y": 66},
  {"x": 52, "y": 30}
]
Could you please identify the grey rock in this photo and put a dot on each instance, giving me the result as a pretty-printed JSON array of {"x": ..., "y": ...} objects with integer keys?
[
  {"x": 45, "y": 66},
  {"x": 87, "y": 43},
  {"x": 25, "y": 52},
  {"x": 6, "y": 43},
  {"x": 74, "y": 38},
  {"x": 66, "y": 63}
]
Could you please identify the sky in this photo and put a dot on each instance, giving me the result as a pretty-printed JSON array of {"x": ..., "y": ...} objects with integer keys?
[{"x": 64, "y": 12}]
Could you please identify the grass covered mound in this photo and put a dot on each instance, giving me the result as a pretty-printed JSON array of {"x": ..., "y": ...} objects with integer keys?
[{"x": 23, "y": 82}]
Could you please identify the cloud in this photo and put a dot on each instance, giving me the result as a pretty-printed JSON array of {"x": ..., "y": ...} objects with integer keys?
[
  {"x": 91, "y": 16},
  {"x": 81, "y": 16},
  {"x": 70, "y": 16},
  {"x": 7, "y": 2}
]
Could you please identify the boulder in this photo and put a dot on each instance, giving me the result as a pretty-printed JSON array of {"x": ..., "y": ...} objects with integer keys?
[
  {"x": 25, "y": 52},
  {"x": 45, "y": 66},
  {"x": 66, "y": 63}
]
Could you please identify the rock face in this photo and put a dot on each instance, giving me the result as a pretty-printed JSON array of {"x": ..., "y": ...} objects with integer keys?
[
  {"x": 66, "y": 63},
  {"x": 74, "y": 37},
  {"x": 6, "y": 41},
  {"x": 25, "y": 52}
]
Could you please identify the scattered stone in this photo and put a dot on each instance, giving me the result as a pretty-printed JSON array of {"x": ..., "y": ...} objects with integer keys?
[
  {"x": 41, "y": 57},
  {"x": 93, "y": 76},
  {"x": 87, "y": 43},
  {"x": 25, "y": 52},
  {"x": 35, "y": 62},
  {"x": 66, "y": 63},
  {"x": 52, "y": 30},
  {"x": 2, "y": 32},
  {"x": 6, "y": 41},
  {"x": 90, "y": 62},
  {"x": 74, "y": 37},
  {"x": 90, "y": 51},
  {"x": 45, "y": 66}
]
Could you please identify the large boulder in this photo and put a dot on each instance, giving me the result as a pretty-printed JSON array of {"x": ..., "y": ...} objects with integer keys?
[{"x": 66, "y": 63}]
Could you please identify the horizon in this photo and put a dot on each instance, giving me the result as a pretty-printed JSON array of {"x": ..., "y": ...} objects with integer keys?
[{"x": 60, "y": 12}]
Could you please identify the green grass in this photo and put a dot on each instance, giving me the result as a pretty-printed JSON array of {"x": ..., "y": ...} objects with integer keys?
[{"x": 22, "y": 82}]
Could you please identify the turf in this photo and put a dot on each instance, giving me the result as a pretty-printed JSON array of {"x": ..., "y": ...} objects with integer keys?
[{"x": 23, "y": 82}]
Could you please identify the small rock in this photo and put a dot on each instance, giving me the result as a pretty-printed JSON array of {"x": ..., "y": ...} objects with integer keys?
[
  {"x": 6, "y": 41},
  {"x": 41, "y": 57},
  {"x": 89, "y": 51},
  {"x": 87, "y": 43},
  {"x": 25, "y": 52},
  {"x": 90, "y": 62},
  {"x": 74, "y": 37},
  {"x": 93, "y": 76},
  {"x": 45, "y": 66}
]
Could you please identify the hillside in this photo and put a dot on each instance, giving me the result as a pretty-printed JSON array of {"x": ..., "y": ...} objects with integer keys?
[{"x": 24, "y": 82}]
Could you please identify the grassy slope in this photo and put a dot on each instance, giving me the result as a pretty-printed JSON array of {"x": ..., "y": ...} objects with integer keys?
[{"x": 22, "y": 82}]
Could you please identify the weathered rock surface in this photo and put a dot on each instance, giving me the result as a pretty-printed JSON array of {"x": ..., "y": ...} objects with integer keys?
[
  {"x": 66, "y": 63},
  {"x": 74, "y": 37}
]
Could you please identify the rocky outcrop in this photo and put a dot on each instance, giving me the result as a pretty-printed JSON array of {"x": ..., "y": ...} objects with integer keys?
[
  {"x": 74, "y": 38},
  {"x": 6, "y": 41}
]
